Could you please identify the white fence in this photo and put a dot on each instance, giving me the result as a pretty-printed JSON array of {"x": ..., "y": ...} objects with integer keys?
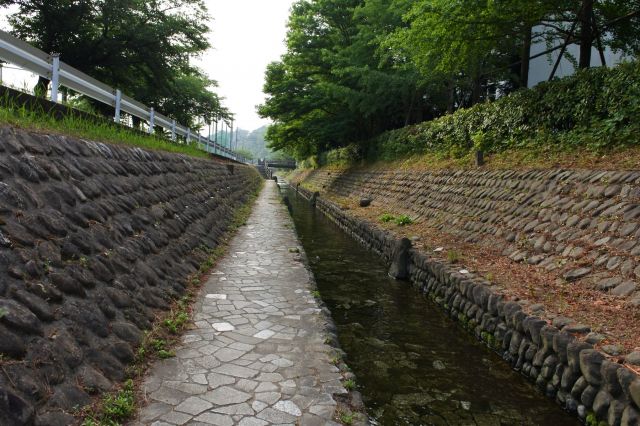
[{"x": 25, "y": 56}]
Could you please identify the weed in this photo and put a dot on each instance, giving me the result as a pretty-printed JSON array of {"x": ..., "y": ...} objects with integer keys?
[
  {"x": 403, "y": 220},
  {"x": 3, "y": 312},
  {"x": 116, "y": 407},
  {"x": 176, "y": 321},
  {"x": 453, "y": 256},
  {"x": 386, "y": 218},
  {"x": 83, "y": 261},
  {"x": 347, "y": 417},
  {"x": 349, "y": 384},
  {"x": 158, "y": 344},
  {"x": 316, "y": 294},
  {"x": 294, "y": 250},
  {"x": 164, "y": 354}
]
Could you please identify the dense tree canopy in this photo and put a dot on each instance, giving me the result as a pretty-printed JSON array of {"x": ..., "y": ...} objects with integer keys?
[
  {"x": 355, "y": 68},
  {"x": 141, "y": 47}
]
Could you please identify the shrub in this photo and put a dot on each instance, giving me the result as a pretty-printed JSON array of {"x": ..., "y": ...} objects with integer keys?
[
  {"x": 595, "y": 109},
  {"x": 386, "y": 218},
  {"x": 403, "y": 220}
]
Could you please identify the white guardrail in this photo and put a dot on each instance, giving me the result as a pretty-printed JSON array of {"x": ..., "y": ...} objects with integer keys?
[{"x": 25, "y": 56}]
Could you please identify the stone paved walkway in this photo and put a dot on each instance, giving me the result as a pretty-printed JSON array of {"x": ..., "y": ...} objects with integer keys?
[{"x": 256, "y": 355}]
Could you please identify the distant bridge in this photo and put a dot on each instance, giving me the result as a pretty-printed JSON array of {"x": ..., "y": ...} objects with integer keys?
[{"x": 278, "y": 164}]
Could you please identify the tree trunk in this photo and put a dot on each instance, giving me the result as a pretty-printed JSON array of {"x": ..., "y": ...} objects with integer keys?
[
  {"x": 526, "y": 53},
  {"x": 586, "y": 33},
  {"x": 451, "y": 97},
  {"x": 41, "y": 87},
  {"x": 407, "y": 117},
  {"x": 476, "y": 89}
]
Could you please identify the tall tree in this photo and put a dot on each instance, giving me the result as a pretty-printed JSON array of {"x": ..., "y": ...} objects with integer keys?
[{"x": 141, "y": 47}]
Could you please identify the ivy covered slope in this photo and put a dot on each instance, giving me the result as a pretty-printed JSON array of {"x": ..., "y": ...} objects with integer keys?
[{"x": 595, "y": 109}]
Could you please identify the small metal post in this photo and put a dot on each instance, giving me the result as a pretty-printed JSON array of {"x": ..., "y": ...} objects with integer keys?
[
  {"x": 173, "y": 130},
  {"x": 55, "y": 76},
  {"x": 152, "y": 119},
  {"x": 118, "y": 101},
  {"x": 188, "y": 135}
]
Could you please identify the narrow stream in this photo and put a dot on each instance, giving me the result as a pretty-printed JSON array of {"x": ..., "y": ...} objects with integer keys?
[{"x": 414, "y": 365}]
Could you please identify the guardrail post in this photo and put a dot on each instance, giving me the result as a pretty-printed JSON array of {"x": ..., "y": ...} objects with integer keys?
[
  {"x": 152, "y": 119},
  {"x": 188, "y": 135},
  {"x": 173, "y": 130},
  {"x": 118, "y": 101},
  {"x": 55, "y": 76}
]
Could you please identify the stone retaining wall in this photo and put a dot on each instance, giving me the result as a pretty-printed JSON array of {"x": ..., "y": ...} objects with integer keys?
[
  {"x": 584, "y": 224},
  {"x": 95, "y": 239},
  {"x": 564, "y": 367}
]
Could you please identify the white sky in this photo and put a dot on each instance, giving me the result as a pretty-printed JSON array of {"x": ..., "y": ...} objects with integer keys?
[{"x": 246, "y": 35}]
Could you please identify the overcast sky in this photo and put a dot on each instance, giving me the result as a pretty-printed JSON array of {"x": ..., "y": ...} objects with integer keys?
[{"x": 245, "y": 36}]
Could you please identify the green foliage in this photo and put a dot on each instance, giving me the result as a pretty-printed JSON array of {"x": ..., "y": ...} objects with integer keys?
[
  {"x": 316, "y": 294},
  {"x": 164, "y": 354},
  {"x": 85, "y": 129},
  {"x": 347, "y": 417},
  {"x": 245, "y": 153},
  {"x": 3, "y": 312},
  {"x": 335, "y": 85},
  {"x": 176, "y": 321},
  {"x": 386, "y": 218},
  {"x": 116, "y": 407},
  {"x": 594, "y": 109},
  {"x": 141, "y": 47},
  {"x": 403, "y": 220},
  {"x": 349, "y": 384},
  {"x": 357, "y": 68}
]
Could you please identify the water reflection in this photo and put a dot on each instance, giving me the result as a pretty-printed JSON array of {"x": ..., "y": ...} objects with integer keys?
[{"x": 414, "y": 366}]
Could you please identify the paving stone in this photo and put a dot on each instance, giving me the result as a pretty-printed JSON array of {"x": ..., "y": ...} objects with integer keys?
[
  {"x": 215, "y": 419},
  {"x": 250, "y": 421},
  {"x": 226, "y": 395},
  {"x": 176, "y": 418},
  {"x": 234, "y": 366},
  {"x": 193, "y": 405},
  {"x": 288, "y": 407}
]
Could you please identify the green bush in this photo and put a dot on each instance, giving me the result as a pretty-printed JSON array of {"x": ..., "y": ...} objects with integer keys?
[
  {"x": 386, "y": 218},
  {"x": 403, "y": 220},
  {"x": 596, "y": 108}
]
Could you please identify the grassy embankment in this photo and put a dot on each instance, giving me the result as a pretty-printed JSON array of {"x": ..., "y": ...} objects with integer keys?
[{"x": 100, "y": 131}]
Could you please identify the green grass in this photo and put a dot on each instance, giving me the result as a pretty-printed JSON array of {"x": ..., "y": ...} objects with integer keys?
[
  {"x": 349, "y": 384},
  {"x": 386, "y": 218},
  {"x": 39, "y": 121},
  {"x": 116, "y": 407},
  {"x": 403, "y": 220}
]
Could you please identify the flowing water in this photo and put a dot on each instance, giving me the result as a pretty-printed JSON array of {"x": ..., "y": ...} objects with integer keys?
[{"x": 414, "y": 365}]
